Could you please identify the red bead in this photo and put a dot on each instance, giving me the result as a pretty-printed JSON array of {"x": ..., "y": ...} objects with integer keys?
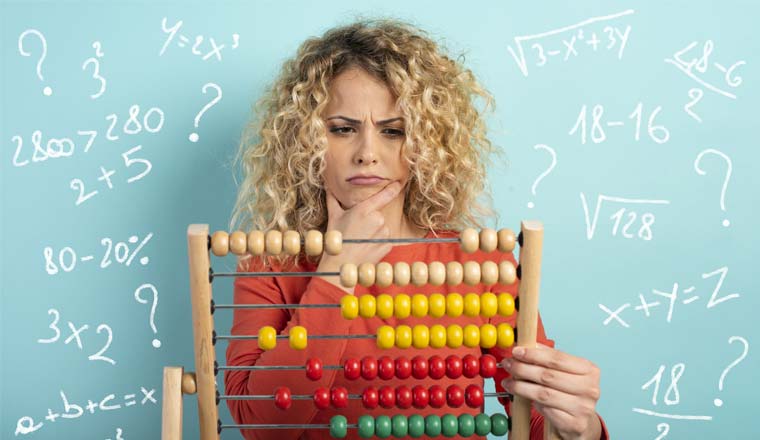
[
  {"x": 339, "y": 397},
  {"x": 282, "y": 398},
  {"x": 314, "y": 369},
  {"x": 487, "y": 365},
  {"x": 403, "y": 397},
  {"x": 387, "y": 397},
  {"x": 352, "y": 369},
  {"x": 403, "y": 368},
  {"x": 454, "y": 396},
  {"x": 437, "y": 396},
  {"x": 419, "y": 367},
  {"x": 470, "y": 366},
  {"x": 437, "y": 367},
  {"x": 385, "y": 368},
  {"x": 322, "y": 398},
  {"x": 420, "y": 396},
  {"x": 453, "y": 366},
  {"x": 370, "y": 397},
  {"x": 369, "y": 367},
  {"x": 473, "y": 396}
]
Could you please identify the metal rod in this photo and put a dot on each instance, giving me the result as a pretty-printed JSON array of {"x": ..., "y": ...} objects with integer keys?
[
  {"x": 309, "y": 336},
  {"x": 276, "y": 306},
  {"x": 309, "y": 397}
]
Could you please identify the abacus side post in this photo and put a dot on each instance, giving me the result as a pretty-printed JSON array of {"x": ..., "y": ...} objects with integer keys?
[
  {"x": 171, "y": 411},
  {"x": 203, "y": 326}
]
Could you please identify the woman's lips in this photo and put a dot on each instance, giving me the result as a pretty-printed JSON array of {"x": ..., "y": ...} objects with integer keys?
[{"x": 366, "y": 180}]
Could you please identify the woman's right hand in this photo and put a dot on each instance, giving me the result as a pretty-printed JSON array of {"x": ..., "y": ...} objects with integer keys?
[{"x": 363, "y": 220}]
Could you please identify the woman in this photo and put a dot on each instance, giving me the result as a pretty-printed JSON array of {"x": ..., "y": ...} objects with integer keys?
[{"x": 371, "y": 130}]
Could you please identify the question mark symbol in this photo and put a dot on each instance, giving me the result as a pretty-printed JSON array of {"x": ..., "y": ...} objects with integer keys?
[
  {"x": 545, "y": 173},
  {"x": 701, "y": 172},
  {"x": 194, "y": 135},
  {"x": 156, "y": 342},
  {"x": 719, "y": 402},
  {"x": 47, "y": 91}
]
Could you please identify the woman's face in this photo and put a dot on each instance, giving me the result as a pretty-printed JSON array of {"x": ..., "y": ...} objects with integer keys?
[{"x": 365, "y": 133}]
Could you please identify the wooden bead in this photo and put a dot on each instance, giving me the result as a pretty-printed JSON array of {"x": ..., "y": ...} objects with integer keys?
[
  {"x": 189, "y": 385},
  {"x": 454, "y": 273},
  {"x": 366, "y": 274},
  {"x": 471, "y": 335},
  {"x": 488, "y": 240},
  {"x": 348, "y": 275},
  {"x": 267, "y": 338},
  {"x": 313, "y": 242},
  {"x": 349, "y": 306},
  {"x": 291, "y": 242},
  {"x": 220, "y": 243},
  {"x": 384, "y": 304},
  {"x": 454, "y": 305},
  {"x": 402, "y": 274},
  {"x": 489, "y": 272},
  {"x": 436, "y": 273},
  {"x": 507, "y": 273},
  {"x": 273, "y": 242},
  {"x": 419, "y": 273},
  {"x": 297, "y": 337},
  {"x": 256, "y": 243},
  {"x": 403, "y": 336},
  {"x": 238, "y": 243},
  {"x": 507, "y": 240},
  {"x": 333, "y": 242},
  {"x": 383, "y": 274},
  {"x": 402, "y": 306},
  {"x": 471, "y": 273},
  {"x": 468, "y": 240},
  {"x": 436, "y": 305}
]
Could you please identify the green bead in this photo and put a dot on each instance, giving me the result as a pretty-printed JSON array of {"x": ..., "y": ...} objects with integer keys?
[
  {"x": 399, "y": 426},
  {"x": 466, "y": 425},
  {"x": 499, "y": 424},
  {"x": 367, "y": 426},
  {"x": 432, "y": 425},
  {"x": 449, "y": 425},
  {"x": 417, "y": 426},
  {"x": 338, "y": 426},
  {"x": 482, "y": 424},
  {"x": 383, "y": 426}
]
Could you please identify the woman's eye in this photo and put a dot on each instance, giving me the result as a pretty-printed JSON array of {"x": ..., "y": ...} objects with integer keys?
[
  {"x": 339, "y": 130},
  {"x": 394, "y": 132},
  {"x": 346, "y": 129}
]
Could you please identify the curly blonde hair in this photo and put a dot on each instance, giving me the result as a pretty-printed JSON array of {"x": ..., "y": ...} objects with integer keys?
[{"x": 282, "y": 148}]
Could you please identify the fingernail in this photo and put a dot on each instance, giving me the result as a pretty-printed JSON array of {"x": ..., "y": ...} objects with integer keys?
[
  {"x": 518, "y": 351},
  {"x": 507, "y": 364}
]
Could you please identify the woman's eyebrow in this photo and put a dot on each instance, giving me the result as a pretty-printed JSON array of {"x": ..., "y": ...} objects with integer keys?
[{"x": 357, "y": 122}]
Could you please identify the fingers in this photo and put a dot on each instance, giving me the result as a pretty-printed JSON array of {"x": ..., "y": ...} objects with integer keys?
[
  {"x": 382, "y": 197},
  {"x": 549, "y": 397},
  {"x": 333, "y": 206},
  {"x": 554, "y": 359},
  {"x": 560, "y": 380}
]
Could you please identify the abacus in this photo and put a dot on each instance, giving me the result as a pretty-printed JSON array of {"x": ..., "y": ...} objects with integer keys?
[{"x": 202, "y": 382}]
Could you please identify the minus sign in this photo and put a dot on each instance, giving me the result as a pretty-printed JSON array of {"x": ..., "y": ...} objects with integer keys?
[
  {"x": 87, "y": 258},
  {"x": 553, "y": 52},
  {"x": 614, "y": 123}
]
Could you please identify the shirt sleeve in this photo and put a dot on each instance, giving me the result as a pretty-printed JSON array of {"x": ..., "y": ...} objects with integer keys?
[
  {"x": 245, "y": 352},
  {"x": 536, "y": 419}
]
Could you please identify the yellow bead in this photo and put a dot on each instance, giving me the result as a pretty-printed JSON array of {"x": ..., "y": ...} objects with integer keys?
[
  {"x": 437, "y": 336},
  {"x": 402, "y": 306},
  {"x": 454, "y": 305},
  {"x": 384, "y": 306},
  {"x": 420, "y": 336},
  {"x": 471, "y": 304},
  {"x": 419, "y": 305},
  {"x": 489, "y": 305},
  {"x": 506, "y": 336},
  {"x": 454, "y": 336},
  {"x": 349, "y": 306},
  {"x": 471, "y": 335},
  {"x": 506, "y": 304},
  {"x": 403, "y": 336},
  {"x": 298, "y": 337},
  {"x": 386, "y": 336},
  {"x": 267, "y": 338},
  {"x": 437, "y": 305},
  {"x": 488, "y": 335},
  {"x": 367, "y": 306}
]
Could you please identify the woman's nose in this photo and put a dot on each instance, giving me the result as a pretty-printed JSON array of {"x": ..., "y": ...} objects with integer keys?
[{"x": 366, "y": 151}]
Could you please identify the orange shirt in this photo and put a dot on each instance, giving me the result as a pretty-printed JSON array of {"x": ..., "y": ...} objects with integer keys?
[{"x": 328, "y": 321}]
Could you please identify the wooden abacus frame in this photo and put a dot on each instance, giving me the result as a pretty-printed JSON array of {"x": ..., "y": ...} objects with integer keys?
[{"x": 177, "y": 382}]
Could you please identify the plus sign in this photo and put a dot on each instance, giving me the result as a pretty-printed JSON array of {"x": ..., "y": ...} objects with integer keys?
[
  {"x": 106, "y": 175},
  {"x": 645, "y": 306},
  {"x": 91, "y": 406},
  {"x": 51, "y": 416}
]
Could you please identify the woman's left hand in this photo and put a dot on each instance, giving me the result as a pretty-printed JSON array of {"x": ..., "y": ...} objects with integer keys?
[{"x": 563, "y": 388}]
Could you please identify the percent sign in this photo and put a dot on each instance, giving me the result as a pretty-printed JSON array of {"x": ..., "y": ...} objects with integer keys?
[{"x": 121, "y": 250}]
